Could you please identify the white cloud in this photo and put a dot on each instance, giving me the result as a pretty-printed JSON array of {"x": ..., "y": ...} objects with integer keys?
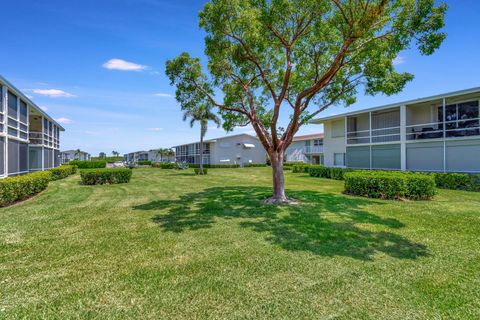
[
  {"x": 399, "y": 60},
  {"x": 53, "y": 93},
  {"x": 44, "y": 108},
  {"x": 155, "y": 129},
  {"x": 163, "y": 95},
  {"x": 122, "y": 65},
  {"x": 64, "y": 120}
]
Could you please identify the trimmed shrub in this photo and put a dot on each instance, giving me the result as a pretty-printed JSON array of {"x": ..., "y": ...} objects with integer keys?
[
  {"x": 167, "y": 165},
  {"x": 293, "y": 163},
  {"x": 390, "y": 185},
  {"x": 301, "y": 168},
  {"x": 320, "y": 171},
  {"x": 108, "y": 159},
  {"x": 144, "y": 163},
  {"x": 15, "y": 189},
  {"x": 197, "y": 171},
  {"x": 105, "y": 176},
  {"x": 98, "y": 164},
  {"x": 62, "y": 172},
  {"x": 454, "y": 181},
  {"x": 252, "y": 165},
  {"x": 214, "y": 166}
]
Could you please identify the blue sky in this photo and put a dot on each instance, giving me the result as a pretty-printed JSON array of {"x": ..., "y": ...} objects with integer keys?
[{"x": 98, "y": 67}]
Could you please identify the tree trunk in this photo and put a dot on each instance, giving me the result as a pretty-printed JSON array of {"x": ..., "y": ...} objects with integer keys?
[
  {"x": 201, "y": 152},
  {"x": 276, "y": 159}
]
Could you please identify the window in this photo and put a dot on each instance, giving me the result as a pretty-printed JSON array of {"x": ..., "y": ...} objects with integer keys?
[
  {"x": 23, "y": 112},
  {"x": 318, "y": 142},
  {"x": 12, "y": 105},
  {"x": 1, "y": 98},
  {"x": 461, "y": 119},
  {"x": 339, "y": 159},
  {"x": 338, "y": 129},
  {"x": 12, "y": 132}
]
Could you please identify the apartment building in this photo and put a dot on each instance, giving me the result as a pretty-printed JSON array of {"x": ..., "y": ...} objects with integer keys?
[
  {"x": 154, "y": 155},
  {"x": 438, "y": 133},
  {"x": 29, "y": 138},
  {"x": 308, "y": 149},
  {"x": 69, "y": 155},
  {"x": 133, "y": 157},
  {"x": 236, "y": 149}
]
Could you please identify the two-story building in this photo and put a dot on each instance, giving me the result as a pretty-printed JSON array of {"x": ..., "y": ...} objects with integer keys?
[
  {"x": 69, "y": 155},
  {"x": 29, "y": 137},
  {"x": 239, "y": 149},
  {"x": 438, "y": 133},
  {"x": 308, "y": 149}
]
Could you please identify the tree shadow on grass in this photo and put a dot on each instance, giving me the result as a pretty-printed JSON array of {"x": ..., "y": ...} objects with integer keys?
[{"x": 324, "y": 224}]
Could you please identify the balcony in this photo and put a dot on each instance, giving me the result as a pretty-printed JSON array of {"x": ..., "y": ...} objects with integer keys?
[
  {"x": 313, "y": 149},
  {"x": 36, "y": 138}
]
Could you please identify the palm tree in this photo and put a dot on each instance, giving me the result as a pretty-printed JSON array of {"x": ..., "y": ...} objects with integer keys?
[
  {"x": 161, "y": 153},
  {"x": 78, "y": 152},
  {"x": 203, "y": 114},
  {"x": 102, "y": 155},
  {"x": 115, "y": 153}
]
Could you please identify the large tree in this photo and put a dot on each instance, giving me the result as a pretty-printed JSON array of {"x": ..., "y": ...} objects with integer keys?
[{"x": 273, "y": 57}]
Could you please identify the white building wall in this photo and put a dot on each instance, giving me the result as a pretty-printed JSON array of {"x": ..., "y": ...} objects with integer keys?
[
  {"x": 295, "y": 152},
  {"x": 333, "y": 141},
  {"x": 231, "y": 150}
]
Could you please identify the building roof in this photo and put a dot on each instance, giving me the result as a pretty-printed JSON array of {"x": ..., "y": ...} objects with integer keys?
[
  {"x": 30, "y": 102},
  {"x": 218, "y": 139},
  {"x": 415, "y": 101},
  {"x": 308, "y": 137}
]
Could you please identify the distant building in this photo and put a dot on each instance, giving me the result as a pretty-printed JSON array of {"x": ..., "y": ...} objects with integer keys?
[
  {"x": 439, "y": 133},
  {"x": 29, "y": 137},
  {"x": 134, "y": 157},
  {"x": 236, "y": 149},
  {"x": 155, "y": 156},
  {"x": 69, "y": 155},
  {"x": 308, "y": 149}
]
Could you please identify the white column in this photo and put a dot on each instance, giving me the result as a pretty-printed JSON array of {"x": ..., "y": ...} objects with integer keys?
[
  {"x": 403, "y": 137},
  {"x": 5, "y": 129},
  {"x": 43, "y": 153},
  {"x": 444, "y": 135},
  {"x": 370, "y": 139}
]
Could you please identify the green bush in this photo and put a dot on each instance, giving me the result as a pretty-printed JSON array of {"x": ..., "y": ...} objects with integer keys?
[
  {"x": 15, "y": 189},
  {"x": 107, "y": 159},
  {"x": 105, "y": 176},
  {"x": 320, "y": 171},
  {"x": 454, "y": 181},
  {"x": 301, "y": 168},
  {"x": 197, "y": 171},
  {"x": 252, "y": 165},
  {"x": 63, "y": 171},
  {"x": 144, "y": 163},
  {"x": 98, "y": 164},
  {"x": 167, "y": 165},
  {"x": 214, "y": 166},
  {"x": 390, "y": 185},
  {"x": 293, "y": 163}
]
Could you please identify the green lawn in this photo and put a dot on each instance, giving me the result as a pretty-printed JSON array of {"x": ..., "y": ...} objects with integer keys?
[{"x": 174, "y": 245}]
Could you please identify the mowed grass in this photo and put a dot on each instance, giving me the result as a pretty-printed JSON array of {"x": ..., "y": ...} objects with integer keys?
[{"x": 174, "y": 245}]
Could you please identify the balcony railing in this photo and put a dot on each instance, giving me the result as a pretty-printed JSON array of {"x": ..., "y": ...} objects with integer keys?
[
  {"x": 313, "y": 149},
  {"x": 447, "y": 129},
  {"x": 36, "y": 138},
  {"x": 379, "y": 135}
]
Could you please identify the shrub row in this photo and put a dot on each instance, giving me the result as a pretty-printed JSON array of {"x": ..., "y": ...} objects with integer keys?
[
  {"x": 213, "y": 166},
  {"x": 144, "y": 163},
  {"x": 252, "y": 165},
  {"x": 107, "y": 159},
  {"x": 97, "y": 164},
  {"x": 320, "y": 171},
  {"x": 457, "y": 181},
  {"x": 390, "y": 185},
  {"x": 63, "y": 171},
  {"x": 197, "y": 171},
  {"x": 301, "y": 168},
  {"x": 164, "y": 165},
  {"x": 105, "y": 176},
  {"x": 15, "y": 189}
]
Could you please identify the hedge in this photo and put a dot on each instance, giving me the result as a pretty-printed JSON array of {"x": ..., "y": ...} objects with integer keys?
[
  {"x": 63, "y": 171},
  {"x": 301, "y": 168},
  {"x": 105, "y": 176},
  {"x": 108, "y": 159},
  {"x": 390, "y": 185},
  {"x": 97, "y": 164},
  {"x": 320, "y": 171},
  {"x": 164, "y": 165},
  {"x": 15, "y": 189},
  {"x": 197, "y": 171},
  {"x": 252, "y": 165},
  {"x": 144, "y": 163},
  {"x": 213, "y": 166},
  {"x": 457, "y": 181}
]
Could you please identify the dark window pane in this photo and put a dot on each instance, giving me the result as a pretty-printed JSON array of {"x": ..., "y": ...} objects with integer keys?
[
  {"x": 12, "y": 105},
  {"x": 2, "y": 155},
  {"x": 1, "y": 99},
  {"x": 12, "y": 122},
  {"x": 23, "y": 127},
  {"x": 23, "y": 135},
  {"x": 23, "y": 112},
  {"x": 13, "y": 164},
  {"x": 12, "y": 132},
  {"x": 23, "y": 156}
]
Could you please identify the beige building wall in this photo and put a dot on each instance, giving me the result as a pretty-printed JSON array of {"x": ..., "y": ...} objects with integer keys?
[{"x": 334, "y": 140}]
